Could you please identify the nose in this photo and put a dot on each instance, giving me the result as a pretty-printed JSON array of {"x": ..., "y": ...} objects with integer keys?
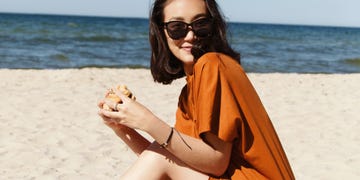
[{"x": 190, "y": 34}]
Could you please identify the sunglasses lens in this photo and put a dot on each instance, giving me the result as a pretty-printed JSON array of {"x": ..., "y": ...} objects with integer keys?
[
  {"x": 176, "y": 29},
  {"x": 179, "y": 29},
  {"x": 202, "y": 27}
]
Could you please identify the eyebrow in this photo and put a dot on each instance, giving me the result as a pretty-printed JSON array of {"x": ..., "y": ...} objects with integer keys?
[{"x": 194, "y": 18}]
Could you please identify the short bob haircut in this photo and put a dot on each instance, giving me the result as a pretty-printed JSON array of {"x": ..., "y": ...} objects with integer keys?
[{"x": 165, "y": 67}]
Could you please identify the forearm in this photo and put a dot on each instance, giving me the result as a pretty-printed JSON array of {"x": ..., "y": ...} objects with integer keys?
[
  {"x": 194, "y": 152},
  {"x": 197, "y": 154},
  {"x": 135, "y": 141}
]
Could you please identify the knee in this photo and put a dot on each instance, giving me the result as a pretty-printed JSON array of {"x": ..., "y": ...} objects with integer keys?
[
  {"x": 156, "y": 155},
  {"x": 149, "y": 165}
]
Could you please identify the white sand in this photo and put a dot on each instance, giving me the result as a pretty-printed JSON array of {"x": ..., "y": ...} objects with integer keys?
[{"x": 49, "y": 127}]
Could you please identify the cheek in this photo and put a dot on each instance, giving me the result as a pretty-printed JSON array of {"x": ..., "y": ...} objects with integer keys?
[{"x": 173, "y": 45}]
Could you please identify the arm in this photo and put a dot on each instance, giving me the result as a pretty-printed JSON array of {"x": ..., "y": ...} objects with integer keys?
[
  {"x": 135, "y": 141},
  {"x": 210, "y": 156}
]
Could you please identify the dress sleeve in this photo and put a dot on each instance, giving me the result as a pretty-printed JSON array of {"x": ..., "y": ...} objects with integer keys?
[{"x": 215, "y": 105}]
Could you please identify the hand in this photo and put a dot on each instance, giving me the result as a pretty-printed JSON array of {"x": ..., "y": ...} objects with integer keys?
[
  {"x": 129, "y": 113},
  {"x": 108, "y": 121}
]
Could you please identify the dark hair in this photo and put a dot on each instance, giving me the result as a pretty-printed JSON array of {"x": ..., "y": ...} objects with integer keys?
[{"x": 165, "y": 67}]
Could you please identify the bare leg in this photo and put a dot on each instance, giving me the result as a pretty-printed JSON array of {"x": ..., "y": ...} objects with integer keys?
[{"x": 158, "y": 163}]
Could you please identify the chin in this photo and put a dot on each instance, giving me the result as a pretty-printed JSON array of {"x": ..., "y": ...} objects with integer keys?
[
  {"x": 188, "y": 56},
  {"x": 189, "y": 59}
]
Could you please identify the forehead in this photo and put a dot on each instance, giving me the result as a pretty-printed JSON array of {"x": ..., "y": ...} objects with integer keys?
[{"x": 186, "y": 10}]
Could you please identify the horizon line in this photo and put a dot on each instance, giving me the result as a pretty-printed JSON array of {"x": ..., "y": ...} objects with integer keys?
[{"x": 142, "y": 17}]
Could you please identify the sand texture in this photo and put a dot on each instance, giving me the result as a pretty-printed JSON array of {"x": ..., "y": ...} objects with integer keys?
[{"x": 49, "y": 127}]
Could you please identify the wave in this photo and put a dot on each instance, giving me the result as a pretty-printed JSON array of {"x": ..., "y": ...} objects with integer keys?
[
  {"x": 98, "y": 38},
  {"x": 106, "y": 38},
  {"x": 60, "y": 57},
  {"x": 353, "y": 61}
]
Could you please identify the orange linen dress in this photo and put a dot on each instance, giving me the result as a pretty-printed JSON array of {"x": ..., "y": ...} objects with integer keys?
[{"x": 219, "y": 98}]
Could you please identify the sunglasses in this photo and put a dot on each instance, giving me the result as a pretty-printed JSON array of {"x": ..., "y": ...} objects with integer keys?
[{"x": 178, "y": 29}]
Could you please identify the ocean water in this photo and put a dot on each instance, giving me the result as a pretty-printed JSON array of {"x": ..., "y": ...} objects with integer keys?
[{"x": 56, "y": 42}]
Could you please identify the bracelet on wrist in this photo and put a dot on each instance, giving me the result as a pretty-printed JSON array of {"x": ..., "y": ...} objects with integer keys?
[{"x": 165, "y": 144}]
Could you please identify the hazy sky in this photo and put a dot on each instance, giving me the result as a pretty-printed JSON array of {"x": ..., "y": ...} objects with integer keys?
[{"x": 311, "y": 12}]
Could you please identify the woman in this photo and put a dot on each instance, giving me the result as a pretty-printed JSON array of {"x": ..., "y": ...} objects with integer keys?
[{"x": 222, "y": 130}]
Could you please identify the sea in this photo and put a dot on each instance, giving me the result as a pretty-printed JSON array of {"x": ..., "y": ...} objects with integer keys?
[{"x": 30, "y": 41}]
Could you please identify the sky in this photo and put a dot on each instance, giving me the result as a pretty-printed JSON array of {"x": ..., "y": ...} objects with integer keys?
[{"x": 303, "y": 12}]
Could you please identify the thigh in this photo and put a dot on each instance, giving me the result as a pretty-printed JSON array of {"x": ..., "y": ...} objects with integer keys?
[{"x": 158, "y": 163}]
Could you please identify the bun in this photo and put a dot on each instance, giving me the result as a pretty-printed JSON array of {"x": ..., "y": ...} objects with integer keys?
[{"x": 115, "y": 98}]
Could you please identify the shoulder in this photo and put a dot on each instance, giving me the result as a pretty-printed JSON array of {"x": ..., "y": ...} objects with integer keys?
[
  {"x": 215, "y": 60},
  {"x": 209, "y": 58}
]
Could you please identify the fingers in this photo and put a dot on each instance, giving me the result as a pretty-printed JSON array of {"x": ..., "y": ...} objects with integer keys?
[
  {"x": 109, "y": 116},
  {"x": 106, "y": 104},
  {"x": 101, "y": 104},
  {"x": 108, "y": 121},
  {"x": 103, "y": 116},
  {"x": 115, "y": 109},
  {"x": 123, "y": 97},
  {"x": 111, "y": 104}
]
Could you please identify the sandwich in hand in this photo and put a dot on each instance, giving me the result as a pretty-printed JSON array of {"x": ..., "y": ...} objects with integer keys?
[{"x": 115, "y": 98}]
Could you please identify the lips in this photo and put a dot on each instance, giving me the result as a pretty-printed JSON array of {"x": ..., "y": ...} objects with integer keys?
[{"x": 187, "y": 48}]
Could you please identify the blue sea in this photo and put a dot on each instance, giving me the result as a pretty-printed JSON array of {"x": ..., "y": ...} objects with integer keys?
[{"x": 57, "y": 42}]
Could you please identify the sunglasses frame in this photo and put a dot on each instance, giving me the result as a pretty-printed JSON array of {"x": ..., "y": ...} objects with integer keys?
[{"x": 189, "y": 26}]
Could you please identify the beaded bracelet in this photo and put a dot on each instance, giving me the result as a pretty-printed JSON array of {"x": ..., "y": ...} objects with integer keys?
[{"x": 165, "y": 144}]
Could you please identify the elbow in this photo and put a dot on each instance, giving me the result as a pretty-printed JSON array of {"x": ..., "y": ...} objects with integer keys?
[
  {"x": 219, "y": 168},
  {"x": 218, "y": 172}
]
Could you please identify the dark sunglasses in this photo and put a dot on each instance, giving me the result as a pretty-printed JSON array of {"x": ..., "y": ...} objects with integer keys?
[{"x": 178, "y": 29}]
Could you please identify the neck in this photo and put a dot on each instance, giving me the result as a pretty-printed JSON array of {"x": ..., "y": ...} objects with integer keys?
[{"x": 188, "y": 69}]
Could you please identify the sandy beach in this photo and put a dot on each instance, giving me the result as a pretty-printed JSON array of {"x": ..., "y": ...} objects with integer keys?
[{"x": 50, "y": 129}]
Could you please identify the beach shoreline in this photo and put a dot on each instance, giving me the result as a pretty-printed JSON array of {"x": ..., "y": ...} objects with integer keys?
[{"x": 50, "y": 127}]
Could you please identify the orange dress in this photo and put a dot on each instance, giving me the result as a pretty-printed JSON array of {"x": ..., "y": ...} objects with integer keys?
[{"x": 219, "y": 98}]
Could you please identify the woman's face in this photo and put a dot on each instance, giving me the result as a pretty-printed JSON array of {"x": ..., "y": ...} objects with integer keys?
[{"x": 186, "y": 11}]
